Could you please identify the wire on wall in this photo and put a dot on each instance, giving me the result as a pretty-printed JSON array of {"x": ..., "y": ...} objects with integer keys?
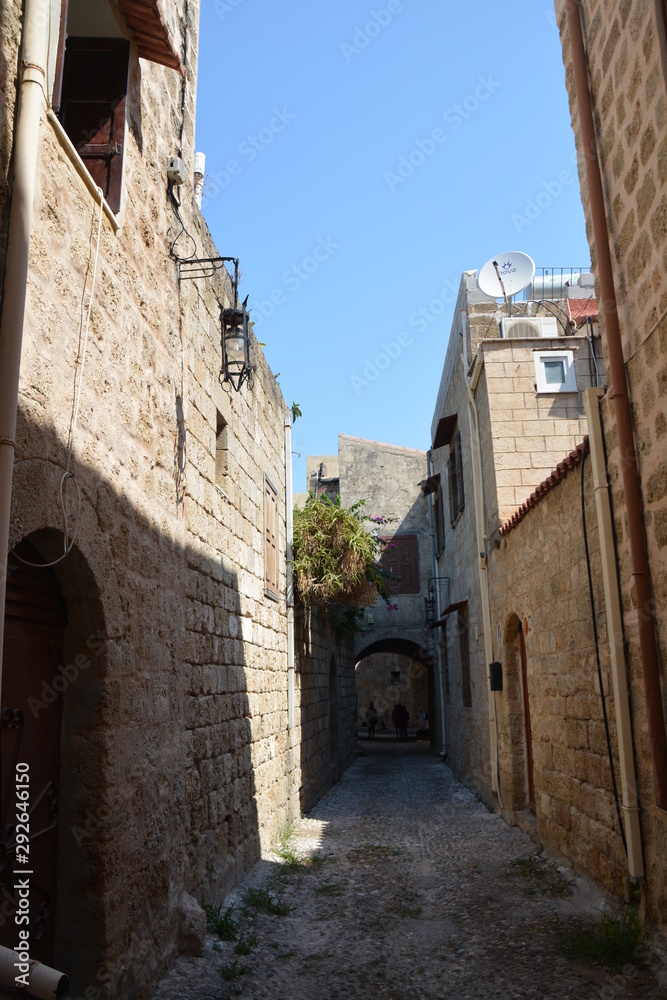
[
  {"x": 597, "y": 651},
  {"x": 68, "y": 540}
]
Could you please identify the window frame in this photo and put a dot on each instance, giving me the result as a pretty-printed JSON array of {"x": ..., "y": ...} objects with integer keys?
[
  {"x": 569, "y": 385},
  {"x": 269, "y": 545}
]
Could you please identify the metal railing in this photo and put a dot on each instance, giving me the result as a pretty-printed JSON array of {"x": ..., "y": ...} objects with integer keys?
[{"x": 552, "y": 284}]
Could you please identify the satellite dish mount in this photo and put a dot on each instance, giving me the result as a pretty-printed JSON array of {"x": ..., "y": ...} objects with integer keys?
[{"x": 506, "y": 275}]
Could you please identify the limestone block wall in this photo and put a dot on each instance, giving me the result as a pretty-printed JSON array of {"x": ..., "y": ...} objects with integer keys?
[
  {"x": 326, "y": 735},
  {"x": 625, "y": 43},
  {"x": 539, "y": 585},
  {"x": 530, "y": 432},
  {"x": 467, "y": 727}
]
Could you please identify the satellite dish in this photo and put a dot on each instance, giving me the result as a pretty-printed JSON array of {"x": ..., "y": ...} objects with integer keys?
[{"x": 506, "y": 275}]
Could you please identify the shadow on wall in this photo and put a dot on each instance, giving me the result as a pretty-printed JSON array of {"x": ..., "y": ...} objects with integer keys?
[{"x": 128, "y": 702}]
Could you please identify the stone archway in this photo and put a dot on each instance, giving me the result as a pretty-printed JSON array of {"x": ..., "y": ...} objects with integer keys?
[
  {"x": 515, "y": 737},
  {"x": 60, "y": 705},
  {"x": 396, "y": 670}
]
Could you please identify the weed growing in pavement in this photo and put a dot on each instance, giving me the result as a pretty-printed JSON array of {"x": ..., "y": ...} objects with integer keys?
[
  {"x": 542, "y": 875},
  {"x": 368, "y": 853},
  {"x": 231, "y": 970},
  {"x": 219, "y": 922},
  {"x": 412, "y": 912},
  {"x": 329, "y": 889},
  {"x": 264, "y": 901},
  {"x": 614, "y": 942},
  {"x": 246, "y": 945}
]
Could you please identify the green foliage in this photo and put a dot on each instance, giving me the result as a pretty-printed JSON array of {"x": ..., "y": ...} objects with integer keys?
[
  {"x": 542, "y": 875},
  {"x": 231, "y": 970},
  {"x": 335, "y": 557},
  {"x": 296, "y": 412},
  {"x": 265, "y": 902},
  {"x": 219, "y": 922},
  {"x": 613, "y": 942},
  {"x": 246, "y": 945}
]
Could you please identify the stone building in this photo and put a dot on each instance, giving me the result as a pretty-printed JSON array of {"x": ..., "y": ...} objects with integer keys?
[
  {"x": 149, "y": 681},
  {"x": 509, "y": 407},
  {"x": 615, "y": 57},
  {"x": 394, "y": 648}
]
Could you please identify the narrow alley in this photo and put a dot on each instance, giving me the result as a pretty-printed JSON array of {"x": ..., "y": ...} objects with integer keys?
[{"x": 399, "y": 883}]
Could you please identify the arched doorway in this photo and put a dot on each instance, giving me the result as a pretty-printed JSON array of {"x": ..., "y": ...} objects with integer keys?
[
  {"x": 396, "y": 671},
  {"x": 517, "y": 736},
  {"x": 30, "y": 738}
]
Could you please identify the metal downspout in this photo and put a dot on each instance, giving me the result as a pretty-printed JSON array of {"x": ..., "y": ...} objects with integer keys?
[
  {"x": 289, "y": 571},
  {"x": 628, "y": 458},
  {"x": 438, "y": 609},
  {"x": 612, "y": 603},
  {"x": 478, "y": 494},
  {"x": 31, "y": 95}
]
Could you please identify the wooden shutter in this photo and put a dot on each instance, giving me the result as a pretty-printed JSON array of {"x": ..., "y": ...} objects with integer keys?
[
  {"x": 92, "y": 109},
  {"x": 439, "y": 521},
  {"x": 400, "y": 559},
  {"x": 271, "y": 538},
  {"x": 459, "y": 472},
  {"x": 464, "y": 647},
  {"x": 453, "y": 488}
]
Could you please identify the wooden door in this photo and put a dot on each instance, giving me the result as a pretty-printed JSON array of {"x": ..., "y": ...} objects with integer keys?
[
  {"x": 526, "y": 722},
  {"x": 31, "y": 714}
]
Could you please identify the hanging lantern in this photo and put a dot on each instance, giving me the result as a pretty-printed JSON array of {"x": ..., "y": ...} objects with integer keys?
[{"x": 236, "y": 366}]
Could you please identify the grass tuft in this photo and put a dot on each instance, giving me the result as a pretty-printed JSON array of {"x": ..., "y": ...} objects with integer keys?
[
  {"x": 542, "y": 875},
  {"x": 264, "y": 901},
  {"x": 220, "y": 922},
  {"x": 614, "y": 941},
  {"x": 246, "y": 945}
]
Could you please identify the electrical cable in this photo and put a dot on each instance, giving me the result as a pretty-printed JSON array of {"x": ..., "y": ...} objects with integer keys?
[
  {"x": 597, "y": 652},
  {"x": 68, "y": 542}
]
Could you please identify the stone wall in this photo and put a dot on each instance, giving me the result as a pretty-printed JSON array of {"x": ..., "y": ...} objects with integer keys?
[
  {"x": 326, "y": 694},
  {"x": 177, "y": 763},
  {"x": 626, "y": 53},
  {"x": 539, "y": 587}
]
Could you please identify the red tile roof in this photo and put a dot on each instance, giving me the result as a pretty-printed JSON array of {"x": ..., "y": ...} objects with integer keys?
[{"x": 559, "y": 473}]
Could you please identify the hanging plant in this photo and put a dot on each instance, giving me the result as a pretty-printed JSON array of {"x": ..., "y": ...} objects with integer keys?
[{"x": 336, "y": 559}]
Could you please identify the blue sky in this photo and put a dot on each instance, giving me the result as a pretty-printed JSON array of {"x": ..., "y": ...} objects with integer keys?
[{"x": 360, "y": 157}]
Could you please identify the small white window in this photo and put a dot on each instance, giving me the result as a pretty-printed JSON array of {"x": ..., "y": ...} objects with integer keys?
[{"x": 554, "y": 371}]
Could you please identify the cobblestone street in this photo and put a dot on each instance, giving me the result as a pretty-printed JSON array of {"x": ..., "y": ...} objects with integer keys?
[{"x": 409, "y": 888}]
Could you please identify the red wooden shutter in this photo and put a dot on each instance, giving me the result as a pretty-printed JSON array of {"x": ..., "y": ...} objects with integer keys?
[{"x": 92, "y": 108}]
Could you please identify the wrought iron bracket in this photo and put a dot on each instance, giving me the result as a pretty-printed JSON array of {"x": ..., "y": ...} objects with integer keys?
[{"x": 204, "y": 267}]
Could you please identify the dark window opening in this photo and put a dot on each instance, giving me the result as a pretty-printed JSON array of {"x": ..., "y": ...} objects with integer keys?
[
  {"x": 456, "y": 492},
  {"x": 439, "y": 511},
  {"x": 464, "y": 649},
  {"x": 395, "y": 676},
  {"x": 90, "y": 91},
  {"x": 400, "y": 562},
  {"x": 221, "y": 449}
]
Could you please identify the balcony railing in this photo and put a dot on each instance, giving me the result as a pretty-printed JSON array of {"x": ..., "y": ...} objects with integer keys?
[{"x": 552, "y": 284}]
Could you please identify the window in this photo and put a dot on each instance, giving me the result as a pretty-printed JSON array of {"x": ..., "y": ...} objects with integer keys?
[
  {"x": 455, "y": 466},
  {"x": 91, "y": 73},
  {"x": 400, "y": 561},
  {"x": 90, "y": 92},
  {"x": 554, "y": 371},
  {"x": 395, "y": 676},
  {"x": 221, "y": 449},
  {"x": 270, "y": 539},
  {"x": 439, "y": 514},
  {"x": 464, "y": 649}
]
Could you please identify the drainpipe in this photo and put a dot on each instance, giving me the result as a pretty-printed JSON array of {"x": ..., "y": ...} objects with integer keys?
[
  {"x": 478, "y": 494},
  {"x": 631, "y": 488},
  {"x": 31, "y": 94},
  {"x": 40, "y": 981},
  {"x": 289, "y": 530},
  {"x": 612, "y": 602},
  {"x": 438, "y": 609}
]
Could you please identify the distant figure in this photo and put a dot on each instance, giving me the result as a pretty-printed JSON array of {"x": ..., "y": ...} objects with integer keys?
[
  {"x": 403, "y": 716},
  {"x": 394, "y": 718},
  {"x": 371, "y": 720},
  {"x": 424, "y": 716}
]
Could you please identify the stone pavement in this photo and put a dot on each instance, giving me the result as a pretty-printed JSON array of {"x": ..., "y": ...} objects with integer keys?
[{"x": 411, "y": 889}]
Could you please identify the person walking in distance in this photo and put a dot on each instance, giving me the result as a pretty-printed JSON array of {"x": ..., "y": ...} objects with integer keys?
[{"x": 371, "y": 720}]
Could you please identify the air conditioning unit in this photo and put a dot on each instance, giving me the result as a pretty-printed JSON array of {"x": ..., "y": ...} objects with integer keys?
[{"x": 528, "y": 327}]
